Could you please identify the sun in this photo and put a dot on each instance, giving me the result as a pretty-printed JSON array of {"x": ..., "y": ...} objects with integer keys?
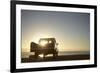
[
  {"x": 43, "y": 43},
  {"x": 37, "y": 36}
]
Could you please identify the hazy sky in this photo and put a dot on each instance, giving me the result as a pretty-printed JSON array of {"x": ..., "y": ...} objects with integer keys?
[{"x": 71, "y": 30}]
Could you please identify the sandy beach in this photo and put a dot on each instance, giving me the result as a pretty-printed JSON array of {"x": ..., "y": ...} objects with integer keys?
[{"x": 58, "y": 58}]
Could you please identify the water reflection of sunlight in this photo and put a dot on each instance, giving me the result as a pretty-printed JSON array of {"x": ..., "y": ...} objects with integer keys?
[
  {"x": 41, "y": 55},
  {"x": 49, "y": 55}
]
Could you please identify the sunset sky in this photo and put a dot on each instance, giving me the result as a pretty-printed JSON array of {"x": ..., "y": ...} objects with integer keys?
[{"x": 71, "y": 30}]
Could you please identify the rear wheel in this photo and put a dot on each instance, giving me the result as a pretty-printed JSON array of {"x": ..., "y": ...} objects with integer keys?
[
  {"x": 55, "y": 55},
  {"x": 36, "y": 55},
  {"x": 43, "y": 55}
]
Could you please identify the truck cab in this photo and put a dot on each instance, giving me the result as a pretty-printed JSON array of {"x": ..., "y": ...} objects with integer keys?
[{"x": 46, "y": 46}]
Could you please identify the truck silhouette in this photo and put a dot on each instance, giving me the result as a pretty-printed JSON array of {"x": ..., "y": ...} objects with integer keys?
[{"x": 46, "y": 46}]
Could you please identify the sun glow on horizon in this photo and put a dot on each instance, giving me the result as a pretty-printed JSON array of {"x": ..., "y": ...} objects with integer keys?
[
  {"x": 41, "y": 55},
  {"x": 78, "y": 45},
  {"x": 36, "y": 37},
  {"x": 43, "y": 43}
]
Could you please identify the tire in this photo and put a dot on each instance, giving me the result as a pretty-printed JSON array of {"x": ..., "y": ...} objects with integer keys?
[
  {"x": 55, "y": 55},
  {"x": 43, "y": 56},
  {"x": 36, "y": 55}
]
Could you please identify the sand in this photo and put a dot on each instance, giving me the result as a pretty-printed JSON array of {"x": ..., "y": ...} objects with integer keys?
[{"x": 58, "y": 58}]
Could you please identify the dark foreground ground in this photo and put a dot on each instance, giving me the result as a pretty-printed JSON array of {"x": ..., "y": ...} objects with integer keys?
[{"x": 58, "y": 58}]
